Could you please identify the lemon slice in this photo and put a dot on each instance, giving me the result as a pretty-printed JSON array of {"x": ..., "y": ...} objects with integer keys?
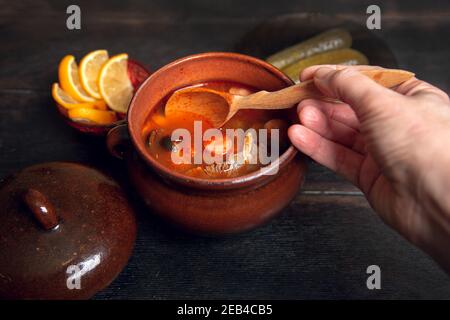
[
  {"x": 114, "y": 84},
  {"x": 65, "y": 100},
  {"x": 89, "y": 69},
  {"x": 70, "y": 80},
  {"x": 92, "y": 115}
]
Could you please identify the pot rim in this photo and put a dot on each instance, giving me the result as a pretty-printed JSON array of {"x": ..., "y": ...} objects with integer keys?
[{"x": 255, "y": 177}]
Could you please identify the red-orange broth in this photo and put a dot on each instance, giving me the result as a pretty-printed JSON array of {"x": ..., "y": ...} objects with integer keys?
[{"x": 158, "y": 130}]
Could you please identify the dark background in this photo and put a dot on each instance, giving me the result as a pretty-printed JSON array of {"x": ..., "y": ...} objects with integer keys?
[{"x": 323, "y": 242}]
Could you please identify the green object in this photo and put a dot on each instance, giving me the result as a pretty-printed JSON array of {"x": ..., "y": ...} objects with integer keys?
[
  {"x": 326, "y": 41},
  {"x": 343, "y": 56}
]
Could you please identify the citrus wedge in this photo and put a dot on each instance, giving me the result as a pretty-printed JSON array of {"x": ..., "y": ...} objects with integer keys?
[
  {"x": 89, "y": 70},
  {"x": 114, "y": 84},
  {"x": 92, "y": 115},
  {"x": 70, "y": 81},
  {"x": 66, "y": 101}
]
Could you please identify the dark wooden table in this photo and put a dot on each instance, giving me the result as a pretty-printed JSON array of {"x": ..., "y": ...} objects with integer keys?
[{"x": 323, "y": 242}]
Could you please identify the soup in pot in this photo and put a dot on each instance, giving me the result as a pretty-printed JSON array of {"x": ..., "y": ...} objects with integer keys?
[{"x": 187, "y": 143}]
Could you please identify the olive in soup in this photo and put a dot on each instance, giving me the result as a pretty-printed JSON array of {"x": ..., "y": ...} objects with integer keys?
[{"x": 187, "y": 143}]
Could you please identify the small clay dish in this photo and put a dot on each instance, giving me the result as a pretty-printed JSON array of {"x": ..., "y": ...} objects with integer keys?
[
  {"x": 66, "y": 231},
  {"x": 137, "y": 74}
]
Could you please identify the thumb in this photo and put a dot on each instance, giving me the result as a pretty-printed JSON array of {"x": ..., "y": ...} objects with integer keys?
[{"x": 363, "y": 94}]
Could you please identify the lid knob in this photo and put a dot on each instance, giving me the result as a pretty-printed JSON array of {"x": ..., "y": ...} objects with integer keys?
[{"x": 41, "y": 208}]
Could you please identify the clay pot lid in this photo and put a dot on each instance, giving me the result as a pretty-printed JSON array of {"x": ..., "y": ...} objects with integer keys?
[{"x": 66, "y": 231}]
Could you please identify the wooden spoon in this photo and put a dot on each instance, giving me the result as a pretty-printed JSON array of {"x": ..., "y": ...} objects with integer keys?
[{"x": 218, "y": 107}]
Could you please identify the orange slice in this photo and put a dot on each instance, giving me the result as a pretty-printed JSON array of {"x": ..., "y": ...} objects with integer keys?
[
  {"x": 114, "y": 84},
  {"x": 65, "y": 100},
  {"x": 92, "y": 115},
  {"x": 70, "y": 81},
  {"x": 89, "y": 69}
]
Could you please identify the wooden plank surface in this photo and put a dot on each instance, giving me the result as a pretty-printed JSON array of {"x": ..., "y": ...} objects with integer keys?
[
  {"x": 319, "y": 248},
  {"x": 321, "y": 244}
]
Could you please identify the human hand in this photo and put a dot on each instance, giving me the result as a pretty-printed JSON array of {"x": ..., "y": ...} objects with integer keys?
[{"x": 394, "y": 145}]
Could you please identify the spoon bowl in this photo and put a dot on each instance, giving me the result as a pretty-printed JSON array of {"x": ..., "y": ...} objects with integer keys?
[{"x": 213, "y": 106}]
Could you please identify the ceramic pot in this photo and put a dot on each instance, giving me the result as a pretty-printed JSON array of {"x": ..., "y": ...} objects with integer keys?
[{"x": 219, "y": 206}]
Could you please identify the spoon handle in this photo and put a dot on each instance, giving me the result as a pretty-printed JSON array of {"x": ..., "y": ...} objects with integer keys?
[{"x": 287, "y": 97}]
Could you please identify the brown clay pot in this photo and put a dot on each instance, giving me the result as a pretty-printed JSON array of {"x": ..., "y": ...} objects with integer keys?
[{"x": 219, "y": 206}]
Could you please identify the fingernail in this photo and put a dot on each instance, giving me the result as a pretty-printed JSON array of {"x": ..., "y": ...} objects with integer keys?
[
  {"x": 309, "y": 114},
  {"x": 296, "y": 135}
]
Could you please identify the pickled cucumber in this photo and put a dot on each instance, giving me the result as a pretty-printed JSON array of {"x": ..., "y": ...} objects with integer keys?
[
  {"x": 326, "y": 41},
  {"x": 343, "y": 56}
]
